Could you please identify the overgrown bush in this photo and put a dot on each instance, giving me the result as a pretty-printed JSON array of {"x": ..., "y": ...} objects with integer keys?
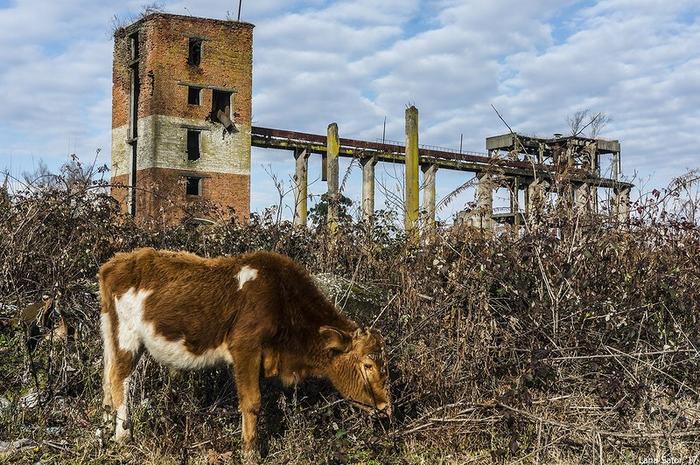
[{"x": 570, "y": 344}]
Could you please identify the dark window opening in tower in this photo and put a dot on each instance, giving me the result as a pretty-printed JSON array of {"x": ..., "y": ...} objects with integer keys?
[
  {"x": 195, "y": 51},
  {"x": 221, "y": 109},
  {"x": 134, "y": 45},
  {"x": 194, "y": 186},
  {"x": 193, "y": 144},
  {"x": 194, "y": 95}
]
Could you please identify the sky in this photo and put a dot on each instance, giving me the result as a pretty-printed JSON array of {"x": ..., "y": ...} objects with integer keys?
[{"x": 359, "y": 62}]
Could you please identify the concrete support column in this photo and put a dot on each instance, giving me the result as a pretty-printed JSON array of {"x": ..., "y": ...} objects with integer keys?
[
  {"x": 536, "y": 196},
  {"x": 429, "y": 175},
  {"x": 412, "y": 208},
  {"x": 484, "y": 202},
  {"x": 301, "y": 182},
  {"x": 514, "y": 200},
  {"x": 566, "y": 196},
  {"x": 616, "y": 168},
  {"x": 368, "y": 165},
  {"x": 582, "y": 198},
  {"x": 621, "y": 204},
  {"x": 332, "y": 150},
  {"x": 593, "y": 156}
]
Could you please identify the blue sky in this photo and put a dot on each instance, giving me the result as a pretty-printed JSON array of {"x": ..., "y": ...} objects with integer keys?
[{"x": 356, "y": 62}]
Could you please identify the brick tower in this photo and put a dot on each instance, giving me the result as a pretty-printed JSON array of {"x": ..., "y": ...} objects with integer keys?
[{"x": 181, "y": 112}]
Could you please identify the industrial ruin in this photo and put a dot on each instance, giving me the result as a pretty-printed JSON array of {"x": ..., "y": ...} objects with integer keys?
[
  {"x": 181, "y": 109},
  {"x": 182, "y": 136}
]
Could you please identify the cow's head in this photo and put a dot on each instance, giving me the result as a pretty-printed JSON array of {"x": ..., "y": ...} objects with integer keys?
[{"x": 358, "y": 367}]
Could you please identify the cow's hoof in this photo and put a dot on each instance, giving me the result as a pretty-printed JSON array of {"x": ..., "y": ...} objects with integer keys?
[
  {"x": 102, "y": 437},
  {"x": 250, "y": 457},
  {"x": 122, "y": 437}
]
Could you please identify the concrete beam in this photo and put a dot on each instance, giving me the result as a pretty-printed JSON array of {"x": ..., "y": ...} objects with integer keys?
[
  {"x": 368, "y": 165},
  {"x": 411, "y": 177},
  {"x": 504, "y": 167},
  {"x": 332, "y": 149},
  {"x": 429, "y": 176},
  {"x": 301, "y": 186}
]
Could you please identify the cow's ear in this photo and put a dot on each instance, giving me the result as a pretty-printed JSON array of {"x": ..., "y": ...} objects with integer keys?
[{"x": 335, "y": 339}]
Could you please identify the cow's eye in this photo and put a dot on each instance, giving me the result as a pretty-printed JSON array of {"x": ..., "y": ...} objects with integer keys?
[{"x": 368, "y": 366}]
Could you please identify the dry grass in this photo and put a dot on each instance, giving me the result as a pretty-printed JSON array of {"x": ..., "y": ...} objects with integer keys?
[{"x": 570, "y": 347}]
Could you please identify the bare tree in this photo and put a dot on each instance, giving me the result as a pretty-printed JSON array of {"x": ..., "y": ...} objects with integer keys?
[
  {"x": 72, "y": 176},
  {"x": 583, "y": 119},
  {"x": 576, "y": 121},
  {"x": 598, "y": 123},
  {"x": 40, "y": 177}
]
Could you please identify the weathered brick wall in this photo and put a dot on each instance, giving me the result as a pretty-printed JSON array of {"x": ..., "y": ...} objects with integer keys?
[
  {"x": 227, "y": 62},
  {"x": 163, "y": 144},
  {"x": 161, "y": 196},
  {"x": 164, "y": 113}
]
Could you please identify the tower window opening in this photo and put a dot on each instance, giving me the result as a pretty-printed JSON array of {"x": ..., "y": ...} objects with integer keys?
[
  {"x": 194, "y": 95},
  {"x": 134, "y": 45},
  {"x": 194, "y": 186},
  {"x": 195, "y": 51},
  {"x": 193, "y": 152},
  {"x": 221, "y": 108}
]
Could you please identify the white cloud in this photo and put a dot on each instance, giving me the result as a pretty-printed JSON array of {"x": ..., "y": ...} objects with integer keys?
[{"x": 354, "y": 62}]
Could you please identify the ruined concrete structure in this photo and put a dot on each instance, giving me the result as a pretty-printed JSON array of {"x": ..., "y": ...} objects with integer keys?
[
  {"x": 565, "y": 170},
  {"x": 181, "y": 117},
  {"x": 181, "y": 139}
]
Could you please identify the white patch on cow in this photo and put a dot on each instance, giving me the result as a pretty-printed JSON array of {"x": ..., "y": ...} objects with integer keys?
[
  {"x": 246, "y": 274},
  {"x": 134, "y": 332},
  {"x": 130, "y": 307}
]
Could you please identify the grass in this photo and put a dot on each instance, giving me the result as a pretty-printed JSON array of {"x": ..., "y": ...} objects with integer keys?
[{"x": 574, "y": 341}]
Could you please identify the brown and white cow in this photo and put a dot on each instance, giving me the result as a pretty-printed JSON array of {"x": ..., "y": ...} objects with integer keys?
[{"x": 256, "y": 312}]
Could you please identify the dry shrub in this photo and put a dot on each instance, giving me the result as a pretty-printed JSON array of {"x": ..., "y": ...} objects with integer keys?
[{"x": 575, "y": 340}]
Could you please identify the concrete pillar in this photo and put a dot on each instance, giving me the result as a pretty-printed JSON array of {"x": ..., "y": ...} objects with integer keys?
[
  {"x": 582, "y": 198},
  {"x": 324, "y": 167},
  {"x": 484, "y": 202},
  {"x": 412, "y": 208},
  {"x": 332, "y": 149},
  {"x": 301, "y": 182},
  {"x": 593, "y": 157},
  {"x": 429, "y": 175},
  {"x": 621, "y": 204},
  {"x": 536, "y": 196},
  {"x": 514, "y": 200},
  {"x": 616, "y": 168},
  {"x": 368, "y": 165}
]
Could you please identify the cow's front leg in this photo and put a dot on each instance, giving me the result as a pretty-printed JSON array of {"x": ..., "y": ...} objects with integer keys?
[{"x": 246, "y": 366}]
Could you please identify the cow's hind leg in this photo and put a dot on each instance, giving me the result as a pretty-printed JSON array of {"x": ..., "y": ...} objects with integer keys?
[
  {"x": 108, "y": 348},
  {"x": 246, "y": 364},
  {"x": 119, "y": 378},
  {"x": 118, "y": 366}
]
